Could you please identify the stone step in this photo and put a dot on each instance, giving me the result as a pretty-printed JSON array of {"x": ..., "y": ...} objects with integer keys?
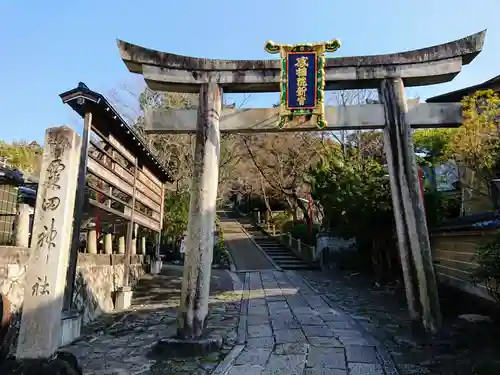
[
  {"x": 277, "y": 251},
  {"x": 285, "y": 257},
  {"x": 302, "y": 266},
  {"x": 290, "y": 261}
]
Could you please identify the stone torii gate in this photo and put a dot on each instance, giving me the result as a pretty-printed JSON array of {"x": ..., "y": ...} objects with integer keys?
[{"x": 388, "y": 73}]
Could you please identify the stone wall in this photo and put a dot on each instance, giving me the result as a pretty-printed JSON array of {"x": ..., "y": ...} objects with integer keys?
[
  {"x": 99, "y": 276},
  {"x": 333, "y": 243},
  {"x": 13, "y": 264}
]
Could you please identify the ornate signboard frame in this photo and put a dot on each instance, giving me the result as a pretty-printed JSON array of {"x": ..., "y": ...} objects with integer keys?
[{"x": 302, "y": 79}]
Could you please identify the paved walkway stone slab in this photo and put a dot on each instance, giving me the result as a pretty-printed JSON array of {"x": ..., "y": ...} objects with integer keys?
[
  {"x": 317, "y": 331},
  {"x": 256, "y": 356},
  {"x": 285, "y": 324},
  {"x": 285, "y": 364},
  {"x": 246, "y": 369},
  {"x": 324, "y": 371},
  {"x": 362, "y": 354},
  {"x": 260, "y": 331},
  {"x": 257, "y": 320},
  {"x": 310, "y": 320},
  {"x": 291, "y": 335},
  {"x": 365, "y": 369},
  {"x": 337, "y": 325},
  {"x": 261, "y": 342},
  {"x": 291, "y": 348},
  {"x": 325, "y": 341},
  {"x": 331, "y": 358},
  {"x": 353, "y": 341}
]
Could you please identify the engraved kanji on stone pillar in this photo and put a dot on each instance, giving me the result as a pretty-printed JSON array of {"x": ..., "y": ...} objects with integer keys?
[{"x": 40, "y": 331}]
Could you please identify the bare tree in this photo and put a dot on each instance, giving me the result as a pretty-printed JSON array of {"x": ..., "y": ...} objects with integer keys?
[
  {"x": 282, "y": 160},
  {"x": 345, "y": 98},
  {"x": 175, "y": 151}
]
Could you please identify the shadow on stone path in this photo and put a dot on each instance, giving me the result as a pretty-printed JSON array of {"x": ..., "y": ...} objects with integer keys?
[
  {"x": 283, "y": 323},
  {"x": 460, "y": 349},
  {"x": 121, "y": 343}
]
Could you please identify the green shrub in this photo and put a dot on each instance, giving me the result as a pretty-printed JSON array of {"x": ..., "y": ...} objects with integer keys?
[
  {"x": 221, "y": 254},
  {"x": 487, "y": 272},
  {"x": 288, "y": 226},
  {"x": 300, "y": 231},
  {"x": 280, "y": 219},
  {"x": 441, "y": 206}
]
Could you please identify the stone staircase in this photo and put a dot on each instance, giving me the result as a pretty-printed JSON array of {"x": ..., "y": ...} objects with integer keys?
[{"x": 281, "y": 255}]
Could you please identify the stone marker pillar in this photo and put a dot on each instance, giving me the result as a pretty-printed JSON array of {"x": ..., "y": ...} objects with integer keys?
[
  {"x": 23, "y": 225},
  {"x": 108, "y": 243},
  {"x": 40, "y": 331},
  {"x": 193, "y": 310},
  {"x": 411, "y": 225},
  {"x": 121, "y": 244},
  {"x": 92, "y": 240}
]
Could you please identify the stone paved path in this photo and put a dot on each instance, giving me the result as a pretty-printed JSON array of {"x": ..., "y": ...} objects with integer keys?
[
  {"x": 288, "y": 328},
  {"x": 272, "y": 322}
]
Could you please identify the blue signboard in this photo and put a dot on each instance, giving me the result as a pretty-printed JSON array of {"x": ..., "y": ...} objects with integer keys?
[{"x": 302, "y": 81}]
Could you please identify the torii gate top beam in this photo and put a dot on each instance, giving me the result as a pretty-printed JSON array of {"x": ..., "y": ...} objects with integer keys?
[{"x": 427, "y": 66}]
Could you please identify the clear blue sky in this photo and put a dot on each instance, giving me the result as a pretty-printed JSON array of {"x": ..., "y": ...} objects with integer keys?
[{"x": 47, "y": 47}]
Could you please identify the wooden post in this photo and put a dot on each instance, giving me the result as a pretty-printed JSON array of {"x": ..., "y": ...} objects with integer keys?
[
  {"x": 158, "y": 245},
  {"x": 193, "y": 310},
  {"x": 78, "y": 214},
  {"x": 409, "y": 213},
  {"x": 40, "y": 331},
  {"x": 124, "y": 295},
  {"x": 130, "y": 232}
]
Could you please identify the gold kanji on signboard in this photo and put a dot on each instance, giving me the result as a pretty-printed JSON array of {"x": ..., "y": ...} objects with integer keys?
[{"x": 302, "y": 79}]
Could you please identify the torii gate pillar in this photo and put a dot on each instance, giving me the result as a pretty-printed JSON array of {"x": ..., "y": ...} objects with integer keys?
[
  {"x": 408, "y": 206},
  {"x": 193, "y": 309}
]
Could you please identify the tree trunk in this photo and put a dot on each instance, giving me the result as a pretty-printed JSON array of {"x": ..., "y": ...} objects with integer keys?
[
  {"x": 266, "y": 200},
  {"x": 305, "y": 211},
  {"x": 378, "y": 258}
]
